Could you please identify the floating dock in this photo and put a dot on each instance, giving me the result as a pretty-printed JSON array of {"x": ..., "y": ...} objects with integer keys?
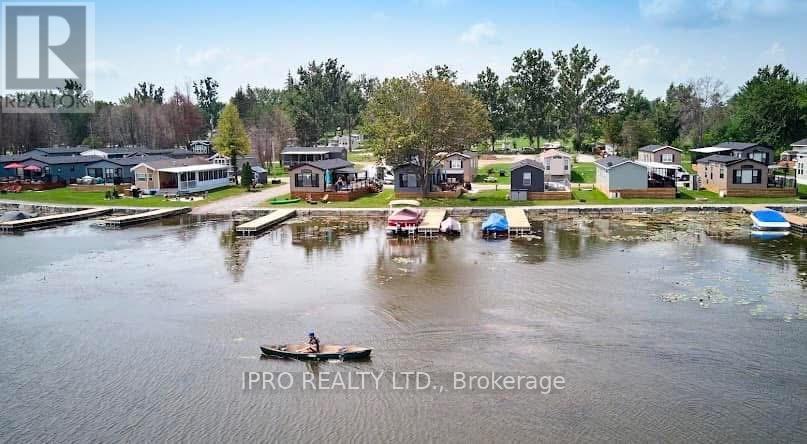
[
  {"x": 53, "y": 219},
  {"x": 517, "y": 220},
  {"x": 260, "y": 224},
  {"x": 139, "y": 218},
  {"x": 430, "y": 225}
]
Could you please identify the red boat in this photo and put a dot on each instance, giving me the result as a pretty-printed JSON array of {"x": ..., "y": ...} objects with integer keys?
[{"x": 404, "y": 220}]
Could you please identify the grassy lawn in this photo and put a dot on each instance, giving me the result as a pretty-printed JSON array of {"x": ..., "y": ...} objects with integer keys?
[
  {"x": 584, "y": 173},
  {"x": 277, "y": 170},
  {"x": 67, "y": 196},
  {"x": 499, "y": 198},
  {"x": 497, "y": 167},
  {"x": 686, "y": 161},
  {"x": 365, "y": 156}
]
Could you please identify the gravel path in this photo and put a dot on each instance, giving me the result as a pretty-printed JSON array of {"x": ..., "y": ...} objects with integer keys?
[{"x": 245, "y": 200}]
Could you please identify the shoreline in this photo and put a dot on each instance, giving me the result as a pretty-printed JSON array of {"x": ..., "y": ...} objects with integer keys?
[{"x": 565, "y": 210}]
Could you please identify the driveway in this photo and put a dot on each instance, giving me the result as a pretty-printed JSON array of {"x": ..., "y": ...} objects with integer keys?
[{"x": 246, "y": 200}]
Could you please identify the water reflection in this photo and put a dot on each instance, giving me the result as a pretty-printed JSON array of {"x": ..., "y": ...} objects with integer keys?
[
  {"x": 236, "y": 252},
  {"x": 327, "y": 234}
]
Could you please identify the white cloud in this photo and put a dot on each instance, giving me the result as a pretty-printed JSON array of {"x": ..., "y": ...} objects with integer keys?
[
  {"x": 479, "y": 33},
  {"x": 206, "y": 57},
  {"x": 776, "y": 51},
  {"x": 642, "y": 57},
  {"x": 103, "y": 69},
  {"x": 704, "y": 13}
]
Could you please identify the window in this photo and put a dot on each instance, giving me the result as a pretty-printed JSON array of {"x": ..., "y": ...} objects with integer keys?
[
  {"x": 758, "y": 156},
  {"x": 565, "y": 164},
  {"x": 667, "y": 158},
  {"x": 747, "y": 175},
  {"x": 140, "y": 177},
  {"x": 307, "y": 179},
  {"x": 455, "y": 164},
  {"x": 722, "y": 171},
  {"x": 526, "y": 179},
  {"x": 408, "y": 180}
]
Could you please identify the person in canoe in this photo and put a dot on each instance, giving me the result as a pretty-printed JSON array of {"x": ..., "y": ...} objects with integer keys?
[{"x": 313, "y": 343}]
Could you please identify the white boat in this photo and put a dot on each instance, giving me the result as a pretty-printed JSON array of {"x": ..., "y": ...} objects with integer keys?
[
  {"x": 769, "y": 224},
  {"x": 450, "y": 226}
]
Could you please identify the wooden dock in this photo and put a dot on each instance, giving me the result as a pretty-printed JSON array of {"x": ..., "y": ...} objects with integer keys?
[
  {"x": 430, "y": 225},
  {"x": 260, "y": 224},
  {"x": 139, "y": 218},
  {"x": 517, "y": 220},
  {"x": 53, "y": 219}
]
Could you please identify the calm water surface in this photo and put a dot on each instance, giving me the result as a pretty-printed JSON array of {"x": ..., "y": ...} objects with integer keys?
[{"x": 665, "y": 330}]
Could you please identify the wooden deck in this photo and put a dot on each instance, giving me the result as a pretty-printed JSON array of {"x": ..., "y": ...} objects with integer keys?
[
  {"x": 430, "y": 225},
  {"x": 517, "y": 220},
  {"x": 53, "y": 219},
  {"x": 139, "y": 218},
  {"x": 262, "y": 223}
]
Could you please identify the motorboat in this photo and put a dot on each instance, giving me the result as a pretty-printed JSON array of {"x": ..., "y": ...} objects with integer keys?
[
  {"x": 496, "y": 223},
  {"x": 769, "y": 224},
  {"x": 450, "y": 226},
  {"x": 404, "y": 220}
]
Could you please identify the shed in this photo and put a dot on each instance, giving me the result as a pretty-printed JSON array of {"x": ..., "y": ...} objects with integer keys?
[{"x": 526, "y": 176}]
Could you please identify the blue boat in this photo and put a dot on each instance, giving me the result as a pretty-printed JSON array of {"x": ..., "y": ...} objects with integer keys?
[
  {"x": 495, "y": 224},
  {"x": 769, "y": 224}
]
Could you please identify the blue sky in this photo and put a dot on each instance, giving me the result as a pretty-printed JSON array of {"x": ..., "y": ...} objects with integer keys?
[{"x": 648, "y": 43}]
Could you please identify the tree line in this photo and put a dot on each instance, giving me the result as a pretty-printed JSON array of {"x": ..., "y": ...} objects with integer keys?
[{"x": 564, "y": 95}]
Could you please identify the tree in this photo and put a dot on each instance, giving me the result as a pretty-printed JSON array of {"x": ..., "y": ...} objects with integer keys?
[
  {"x": 769, "y": 108},
  {"x": 231, "y": 138},
  {"x": 533, "y": 89},
  {"x": 246, "y": 175},
  {"x": 207, "y": 96},
  {"x": 148, "y": 93},
  {"x": 315, "y": 99},
  {"x": 665, "y": 120},
  {"x": 269, "y": 134},
  {"x": 416, "y": 118},
  {"x": 585, "y": 89},
  {"x": 495, "y": 97}
]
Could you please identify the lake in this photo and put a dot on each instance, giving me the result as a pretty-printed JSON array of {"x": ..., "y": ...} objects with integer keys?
[{"x": 663, "y": 328}]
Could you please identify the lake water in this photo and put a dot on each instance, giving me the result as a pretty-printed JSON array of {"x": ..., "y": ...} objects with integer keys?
[{"x": 664, "y": 329}]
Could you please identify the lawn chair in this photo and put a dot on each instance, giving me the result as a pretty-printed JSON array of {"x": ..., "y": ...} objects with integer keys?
[{"x": 325, "y": 198}]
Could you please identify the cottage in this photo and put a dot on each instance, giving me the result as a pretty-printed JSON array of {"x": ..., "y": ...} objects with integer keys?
[
  {"x": 730, "y": 176},
  {"x": 58, "y": 151},
  {"x": 118, "y": 169},
  {"x": 201, "y": 147},
  {"x": 460, "y": 168},
  {"x": 335, "y": 178},
  {"x": 800, "y": 150},
  {"x": 293, "y": 155},
  {"x": 180, "y": 176},
  {"x": 47, "y": 168},
  {"x": 739, "y": 150},
  {"x": 665, "y": 154},
  {"x": 616, "y": 175},
  {"x": 526, "y": 176},
  {"x": 407, "y": 181},
  {"x": 557, "y": 165}
]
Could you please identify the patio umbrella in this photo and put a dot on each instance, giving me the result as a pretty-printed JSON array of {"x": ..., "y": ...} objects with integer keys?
[
  {"x": 14, "y": 166},
  {"x": 32, "y": 168},
  {"x": 328, "y": 178}
]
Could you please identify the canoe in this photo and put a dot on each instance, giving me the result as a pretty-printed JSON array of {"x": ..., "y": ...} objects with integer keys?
[
  {"x": 327, "y": 352},
  {"x": 495, "y": 223},
  {"x": 284, "y": 201}
]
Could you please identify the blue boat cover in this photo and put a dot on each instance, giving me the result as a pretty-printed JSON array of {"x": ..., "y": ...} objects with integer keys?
[
  {"x": 495, "y": 223},
  {"x": 768, "y": 216}
]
